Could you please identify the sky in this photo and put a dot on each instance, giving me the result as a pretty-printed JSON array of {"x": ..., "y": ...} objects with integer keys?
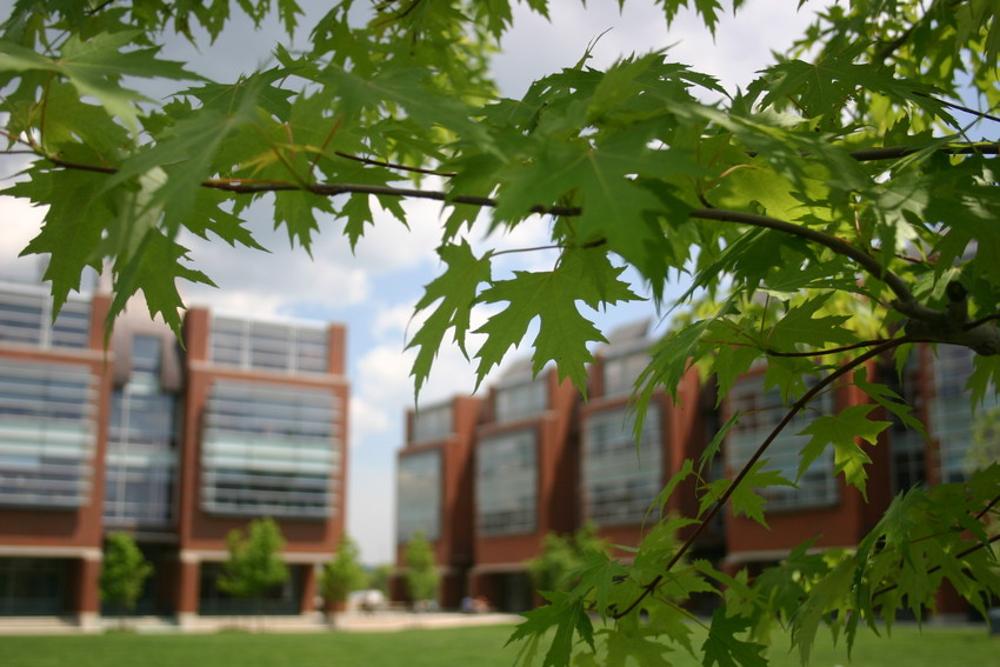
[{"x": 373, "y": 291}]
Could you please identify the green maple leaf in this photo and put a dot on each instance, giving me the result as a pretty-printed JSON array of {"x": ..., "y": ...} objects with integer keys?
[
  {"x": 563, "y": 333},
  {"x": 829, "y": 593},
  {"x": 208, "y": 216},
  {"x": 456, "y": 290},
  {"x": 94, "y": 66},
  {"x": 800, "y": 327},
  {"x": 74, "y": 224},
  {"x": 615, "y": 208},
  {"x": 745, "y": 499},
  {"x": 182, "y": 158},
  {"x": 724, "y": 648},
  {"x": 296, "y": 210},
  {"x": 889, "y": 400},
  {"x": 153, "y": 269},
  {"x": 566, "y": 613},
  {"x": 636, "y": 647},
  {"x": 409, "y": 88},
  {"x": 842, "y": 430}
]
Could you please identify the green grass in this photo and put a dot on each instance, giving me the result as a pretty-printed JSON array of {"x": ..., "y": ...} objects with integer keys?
[{"x": 467, "y": 647}]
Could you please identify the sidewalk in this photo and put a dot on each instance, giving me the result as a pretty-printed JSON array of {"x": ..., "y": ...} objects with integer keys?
[
  {"x": 351, "y": 621},
  {"x": 390, "y": 621}
]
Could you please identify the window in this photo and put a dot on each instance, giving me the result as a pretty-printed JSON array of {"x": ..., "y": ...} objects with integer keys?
[
  {"x": 268, "y": 346},
  {"x": 432, "y": 424},
  {"x": 522, "y": 401},
  {"x": 34, "y": 586},
  {"x": 951, "y": 413},
  {"x": 26, "y": 319},
  {"x": 507, "y": 484},
  {"x": 270, "y": 450},
  {"x": 908, "y": 447},
  {"x": 619, "y": 482},
  {"x": 419, "y": 496},
  {"x": 142, "y": 448},
  {"x": 47, "y": 433},
  {"x": 761, "y": 410},
  {"x": 621, "y": 372}
]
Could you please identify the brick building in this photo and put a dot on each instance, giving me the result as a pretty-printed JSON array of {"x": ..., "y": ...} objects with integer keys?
[
  {"x": 435, "y": 491},
  {"x": 525, "y": 481},
  {"x": 543, "y": 460},
  {"x": 176, "y": 447}
]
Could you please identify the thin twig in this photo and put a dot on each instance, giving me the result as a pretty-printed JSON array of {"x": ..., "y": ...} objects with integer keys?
[
  {"x": 326, "y": 142},
  {"x": 961, "y": 107},
  {"x": 813, "y": 353},
  {"x": 721, "y": 501},
  {"x": 961, "y": 554},
  {"x": 982, "y": 320},
  {"x": 395, "y": 165}
]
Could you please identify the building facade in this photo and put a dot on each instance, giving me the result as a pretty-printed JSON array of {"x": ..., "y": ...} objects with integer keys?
[
  {"x": 175, "y": 446},
  {"x": 543, "y": 460},
  {"x": 434, "y": 497}
]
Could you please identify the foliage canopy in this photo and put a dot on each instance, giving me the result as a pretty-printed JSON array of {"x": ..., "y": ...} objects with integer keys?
[
  {"x": 124, "y": 570},
  {"x": 841, "y": 208},
  {"x": 254, "y": 565},
  {"x": 421, "y": 573},
  {"x": 343, "y": 574}
]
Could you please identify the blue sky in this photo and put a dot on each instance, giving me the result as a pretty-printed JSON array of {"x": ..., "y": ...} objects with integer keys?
[{"x": 373, "y": 291}]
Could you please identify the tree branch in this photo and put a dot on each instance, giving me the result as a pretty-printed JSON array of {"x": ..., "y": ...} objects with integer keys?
[
  {"x": 896, "y": 152},
  {"x": 905, "y": 302},
  {"x": 961, "y": 554},
  {"x": 813, "y": 353},
  {"x": 720, "y": 503}
]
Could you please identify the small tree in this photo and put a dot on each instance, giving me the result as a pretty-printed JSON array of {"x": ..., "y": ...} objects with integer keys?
[
  {"x": 343, "y": 574},
  {"x": 123, "y": 572},
  {"x": 562, "y": 556},
  {"x": 254, "y": 566},
  {"x": 421, "y": 571}
]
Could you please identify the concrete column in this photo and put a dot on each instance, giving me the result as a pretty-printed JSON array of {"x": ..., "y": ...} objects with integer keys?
[
  {"x": 188, "y": 589},
  {"x": 86, "y": 593}
]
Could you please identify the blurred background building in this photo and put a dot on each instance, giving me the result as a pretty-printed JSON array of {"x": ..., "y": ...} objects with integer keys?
[
  {"x": 176, "y": 446},
  {"x": 540, "y": 459}
]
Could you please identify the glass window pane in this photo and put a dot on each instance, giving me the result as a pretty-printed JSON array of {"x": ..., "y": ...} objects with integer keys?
[
  {"x": 506, "y": 484},
  {"x": 419, "y": 496}
]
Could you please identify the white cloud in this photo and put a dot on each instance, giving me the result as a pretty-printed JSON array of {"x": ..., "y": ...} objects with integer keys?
[
  {"x": 21, "y": 222},
  {"x": 742, "y": 43},
  {"x": 287, "y": 277}
]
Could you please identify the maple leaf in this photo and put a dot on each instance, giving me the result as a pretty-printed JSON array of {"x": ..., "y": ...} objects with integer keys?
[
  {"x": 799, "y": 327},
  {"x": 563, "y": 333},
  {"x": 94, "y": 67},
  {"x": 153, "y": 270},
  {"x": 456, "y": 291},
  {"x": 70, "y": 231},
  {"x": 842, "y": 431},
  {"x": 722, "y": 647},
  {"x": 745, "y": 499}
]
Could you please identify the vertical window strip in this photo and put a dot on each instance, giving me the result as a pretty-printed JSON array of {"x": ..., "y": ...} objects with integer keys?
[
  {"x": 620, "y": 480},
  {"x": 418, "y": 496},
  {"x": 761, "y": 410},
  {"x": 507, "y": 484}
]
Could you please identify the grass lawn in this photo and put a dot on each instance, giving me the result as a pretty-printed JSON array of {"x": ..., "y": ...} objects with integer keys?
[{"x": 467, "y": 647}]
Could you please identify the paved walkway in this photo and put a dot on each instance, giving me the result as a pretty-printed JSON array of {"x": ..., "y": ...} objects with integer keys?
[{"x": 385, "y": 621}]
